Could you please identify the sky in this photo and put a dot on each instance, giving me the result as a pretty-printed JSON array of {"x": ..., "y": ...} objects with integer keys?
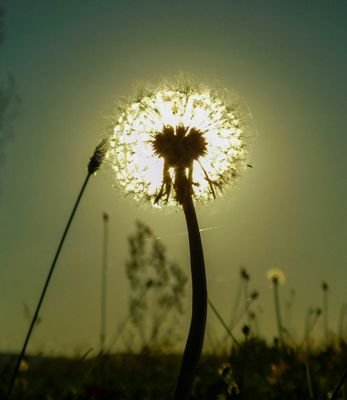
[{"x": 73, "y": 62}]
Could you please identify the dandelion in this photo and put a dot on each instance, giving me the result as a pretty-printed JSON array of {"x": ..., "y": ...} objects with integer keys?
[
  {"x": 172, "y": 146},
  {"x": 94, "y": 164},
  {"x": 277, "y": 277}
]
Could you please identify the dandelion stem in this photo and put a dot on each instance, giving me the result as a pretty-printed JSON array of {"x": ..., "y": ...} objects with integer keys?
[
  {"x": 278, "y": 312},
  {"x": 325, "y": 315},
  {"x": 195, "y": 339}
]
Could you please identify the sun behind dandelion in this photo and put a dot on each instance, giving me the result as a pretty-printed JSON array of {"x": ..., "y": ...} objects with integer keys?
[{"x": 174, "y": 136}]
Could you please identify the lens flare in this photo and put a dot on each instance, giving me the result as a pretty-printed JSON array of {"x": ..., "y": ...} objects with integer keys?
[{"x": 177, "y": 131}]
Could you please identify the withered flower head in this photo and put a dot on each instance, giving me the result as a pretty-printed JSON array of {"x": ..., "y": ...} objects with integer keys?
[
  {"x": 244, "y": 274},
  {"x": 98, "y": 156}
]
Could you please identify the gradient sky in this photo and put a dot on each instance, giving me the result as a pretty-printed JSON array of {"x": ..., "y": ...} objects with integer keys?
[{"x": 74, "y": 60}]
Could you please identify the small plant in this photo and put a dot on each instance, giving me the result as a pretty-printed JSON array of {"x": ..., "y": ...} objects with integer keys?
[{"x": 154, "y": 317}]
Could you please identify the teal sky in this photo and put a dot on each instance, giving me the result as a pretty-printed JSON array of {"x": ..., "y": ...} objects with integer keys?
[{"x": 74, "y": 60}]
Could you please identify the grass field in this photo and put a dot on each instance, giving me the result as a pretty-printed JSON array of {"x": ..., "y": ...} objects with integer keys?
[{"x": 255, "y": 370}]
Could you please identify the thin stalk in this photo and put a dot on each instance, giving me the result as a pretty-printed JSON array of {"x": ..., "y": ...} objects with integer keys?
[
  {"x": 221, "y": 320},
  {"x": 45, "y": 287},
  {"x": 256, "y": 326},
  {"x": 307, "y": 327},
  {"x": 278, "y": 312},
  {"x": 339, "y": 386},
  {"x": 246, "y": 301},
  {"x": 104, "y": 285},
  {"x": 308, "y": 378},
  {"x": 94, "y": 164},
  {"x": 196, "y": 334},
  {"x": 235, "y": 308},
  {"x": 325, "y": 315},
  {"x": 246, "y": 356},
  {"x": 236, "y": 304},
  {"x": 307, "y": 355},
  {"x": 242, "y": 313}
]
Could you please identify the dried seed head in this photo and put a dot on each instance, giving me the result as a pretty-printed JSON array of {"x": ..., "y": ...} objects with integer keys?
[
  {"x": 98, "y": 157},
  {"x": 244, "y": 274}
]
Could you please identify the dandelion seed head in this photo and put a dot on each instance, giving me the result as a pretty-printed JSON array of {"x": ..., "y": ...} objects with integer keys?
[
  {"x": 276, "y": 276},
  {"x": 177, "y": 130}
]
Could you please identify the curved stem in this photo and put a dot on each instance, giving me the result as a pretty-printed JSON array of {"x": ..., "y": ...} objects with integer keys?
[
  {"x": 38, "y": 307},
  {"x": 196, "y": 334}
]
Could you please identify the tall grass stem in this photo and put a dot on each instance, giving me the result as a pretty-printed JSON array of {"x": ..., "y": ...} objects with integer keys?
[
  {"x": 45, "y": 287},
  {"x": 221, "y": 320},
  {"x": 94, "y": 164}
]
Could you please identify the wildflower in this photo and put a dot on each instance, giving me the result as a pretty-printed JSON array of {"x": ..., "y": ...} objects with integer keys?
[{"x": 172, "y": 146}]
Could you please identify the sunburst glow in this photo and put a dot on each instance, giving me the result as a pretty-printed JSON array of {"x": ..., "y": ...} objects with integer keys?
[{"x": 168, "y": 130}]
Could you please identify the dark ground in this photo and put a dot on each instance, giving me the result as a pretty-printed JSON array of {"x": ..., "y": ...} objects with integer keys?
[{"x": 255, "y": 371}]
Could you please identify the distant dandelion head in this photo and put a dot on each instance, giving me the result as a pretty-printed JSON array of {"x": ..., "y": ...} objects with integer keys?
[
  {"x": 177, "y": 141},
  {"x": 276, "y": 276}
]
